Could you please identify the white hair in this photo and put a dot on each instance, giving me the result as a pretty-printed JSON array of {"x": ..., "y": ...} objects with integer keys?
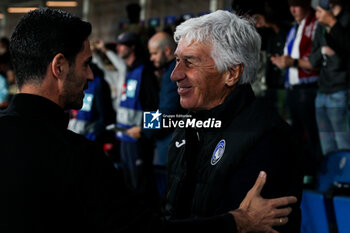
[{"x": 234, "y": 41}]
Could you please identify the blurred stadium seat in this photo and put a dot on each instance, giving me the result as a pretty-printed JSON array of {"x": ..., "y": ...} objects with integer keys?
[
  {"x": 342, "y": 213},
  {"x": 313, "y": 212},
  {"x": 336, "y": 168}
]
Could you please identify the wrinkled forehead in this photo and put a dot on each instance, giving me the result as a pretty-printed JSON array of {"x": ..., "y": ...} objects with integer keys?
[
  {"x": 187, "y": 40},
  {"x": 193, "y": 46}
]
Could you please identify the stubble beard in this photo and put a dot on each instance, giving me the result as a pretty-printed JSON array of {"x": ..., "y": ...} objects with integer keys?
[{"x": 70, "y": 98}]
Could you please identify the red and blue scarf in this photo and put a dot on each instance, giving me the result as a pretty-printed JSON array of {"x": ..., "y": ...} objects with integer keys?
[{"x": 305, "y": 46}]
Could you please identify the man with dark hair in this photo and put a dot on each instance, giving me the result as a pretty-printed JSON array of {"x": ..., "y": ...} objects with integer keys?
[
  {"x": 53, "y": 180},
  {"x": 30, "y": 57}
]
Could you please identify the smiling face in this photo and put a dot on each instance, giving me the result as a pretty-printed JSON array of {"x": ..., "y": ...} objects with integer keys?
[
  {"x": 77, "y": 79},
  {"x": 200, "y": 85}
]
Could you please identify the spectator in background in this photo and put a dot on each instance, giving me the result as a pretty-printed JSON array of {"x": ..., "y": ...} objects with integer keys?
[
  {"x": 6, "y": 69},
  {"x": 301, "y": 83},
  {"x": 5, "y": 57},
  {"x": 114, "y": 69},
  {"x": 161, "y": 47},
  {"x": 97, "y": 111},
  {"x": 3, "y": 93},
  {"x": 272, "y": 22},
  {"x": 337, "y": 35},
  {"x": 140, "y": 93},
  {"x": 135, "y": 25},
  {"x": 332, "y": 111},
  {"x": 273, "y": 26}
]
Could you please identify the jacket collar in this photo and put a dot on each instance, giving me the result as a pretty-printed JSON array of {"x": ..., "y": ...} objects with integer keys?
[
  {"x": 29, "y": 105},
  {"x": 239, "y": 98}
]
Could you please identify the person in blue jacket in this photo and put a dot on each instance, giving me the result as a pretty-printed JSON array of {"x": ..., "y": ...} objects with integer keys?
[{"x": 161, "y": 47}]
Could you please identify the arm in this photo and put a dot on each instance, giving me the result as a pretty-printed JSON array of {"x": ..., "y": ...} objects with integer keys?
[
  {"x": 338, "y": 39},
  {"x": 315, "y": 57},
  {"x": 110, "y": 206},
  {"x": 261, "y": 22},
  {"x": 276, "y": 154},
  {"x": 255, "y": 214},
  {"x": 286, "y": 61},
  {"x": 337, "y": 33},
  {"x": 116, "y": 61}
]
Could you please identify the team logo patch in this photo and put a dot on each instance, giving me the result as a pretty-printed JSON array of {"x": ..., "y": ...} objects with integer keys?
[
  {"x": 178, "y": 144},
  {"x": 218, "y": 152}
]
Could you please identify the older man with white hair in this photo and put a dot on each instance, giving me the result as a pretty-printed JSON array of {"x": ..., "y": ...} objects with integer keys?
[{"x": 211, "y": 169}]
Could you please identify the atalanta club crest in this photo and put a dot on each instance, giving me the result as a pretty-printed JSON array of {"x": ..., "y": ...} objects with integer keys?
[{"x": 218, "y": 152}]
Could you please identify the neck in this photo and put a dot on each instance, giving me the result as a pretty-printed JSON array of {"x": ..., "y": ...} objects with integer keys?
[
  {"x": 129, "y": 60},
  {"x": 307, "y": 13},
  {"x": 41, "y": 89}
]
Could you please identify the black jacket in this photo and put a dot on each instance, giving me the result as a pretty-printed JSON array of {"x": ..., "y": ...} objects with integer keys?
[
  {"x": 53, "y": 180},
  {"x": 334, "y": 73},
  {"x": 254, "y": 138}
]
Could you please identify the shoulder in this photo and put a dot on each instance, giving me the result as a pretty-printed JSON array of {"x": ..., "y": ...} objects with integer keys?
[
  {"x": 260, "y": 115},
  {"x": 345, "y": 19}
]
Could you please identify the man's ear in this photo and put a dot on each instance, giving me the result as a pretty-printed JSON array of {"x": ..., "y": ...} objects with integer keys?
[
  {"x": 233, "y": 75},
  {"x": 59, "y": 66},
  {"x": 168, "y": 52}
]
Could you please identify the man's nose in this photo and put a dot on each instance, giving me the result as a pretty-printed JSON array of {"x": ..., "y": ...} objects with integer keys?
[{"x": 178, "y": 72}]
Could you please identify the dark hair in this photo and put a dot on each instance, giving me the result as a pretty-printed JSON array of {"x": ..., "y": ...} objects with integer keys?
[
  {"x": 343, "y": 3},
  {"x": 133, "y": 10},
  {"x": 302, "y": 3},
  {"x": 42, "y": 34}
]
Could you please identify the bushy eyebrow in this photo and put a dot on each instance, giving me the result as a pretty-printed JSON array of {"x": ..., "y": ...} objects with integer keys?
[{"x": 193, "y": 58}]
